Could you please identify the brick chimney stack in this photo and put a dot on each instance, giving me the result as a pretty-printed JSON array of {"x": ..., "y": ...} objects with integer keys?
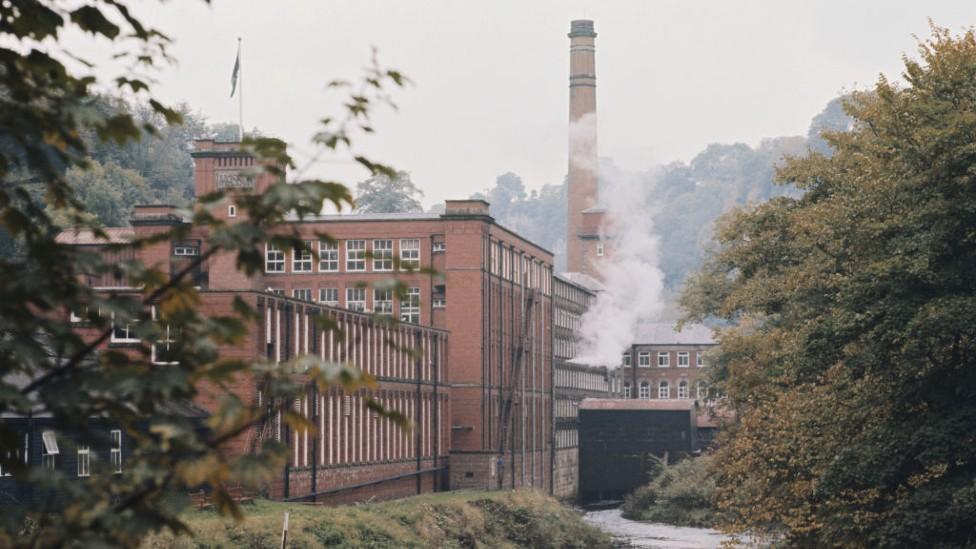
[{"x": 583, "y": 243}]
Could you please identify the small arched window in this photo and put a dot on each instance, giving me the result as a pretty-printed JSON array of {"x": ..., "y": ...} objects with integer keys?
[
  {"x": 664, "y": 389},
  {"x": 645, "y": 390},
  {"x": 683, "y": 389},
  {"x": 627, "y": 390},
  {"x": 701, "y": 390}
]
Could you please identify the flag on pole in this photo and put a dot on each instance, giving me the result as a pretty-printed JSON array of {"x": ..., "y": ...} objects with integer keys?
[{"x": 237, "y": 69}]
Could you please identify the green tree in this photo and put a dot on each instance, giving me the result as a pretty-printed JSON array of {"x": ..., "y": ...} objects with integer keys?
[
  {"x": 852, "y": 357},
  {"x": 832, "y": 119},
  {"x": 109, "y": 192},
  {"x": 539, "y": 215},
  {"x": 388, "y": 193},
  {"x": 49, "y": 116}
]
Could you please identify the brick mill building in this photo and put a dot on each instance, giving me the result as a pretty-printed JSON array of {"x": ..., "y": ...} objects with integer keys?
[
  {"x": 667, "y": 364},
  {"x": 573, "y": 382},
  {"x": 482, "y": 404}
]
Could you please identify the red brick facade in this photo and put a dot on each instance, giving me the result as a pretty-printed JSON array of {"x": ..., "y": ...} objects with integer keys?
[
  {"x": 467, "y": 276},
  {"x": 667, "y": 364}
]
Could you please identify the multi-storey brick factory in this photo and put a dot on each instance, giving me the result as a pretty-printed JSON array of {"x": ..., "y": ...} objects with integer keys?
[{"x": 482, "y": 404}]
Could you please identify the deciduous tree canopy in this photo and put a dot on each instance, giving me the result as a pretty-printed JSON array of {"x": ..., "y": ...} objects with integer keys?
[
  {"x": 385, "y": 194},
  {"x": 852, "y": 359},
  {"x": 68, "y": 158}
]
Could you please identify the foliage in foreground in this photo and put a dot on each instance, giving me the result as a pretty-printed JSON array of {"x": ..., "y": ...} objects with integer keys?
[
  {"x": 52, "y": 123},
  {"x": 852, "y": 359},
  {"x": 682, "y": 494},
  {"x": 454, "y": 519}
]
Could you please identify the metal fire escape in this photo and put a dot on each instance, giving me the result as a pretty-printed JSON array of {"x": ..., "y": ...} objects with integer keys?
[{"x": 508, "y": 399}]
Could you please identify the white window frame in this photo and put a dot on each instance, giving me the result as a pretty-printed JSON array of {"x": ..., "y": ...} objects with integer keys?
[
  {"x": 645, "y": 390},
  {"x": 166, "y": 339},
  {"x": 409, "y": 253},
  {"x": 323, "y": 297},
  {"x": 683, "y": 392},
  {"x": 127, "y": 338},
  {"x": 186, "y": 251},
  {"x": 115, "y": 451},
  {"x": 644, "y": 359},
  {"x": 626, "y": 359},
  {"x": 664, "y": 389},
  {"x": 301, "y": 258},
  {"x": 626, "y": 389},
  {"x": 687, "y": 360},
  {"x": 306, "y": 293},
  {"x": 360, "y": 295},
  {"x": 231, "y": 210},
  {"x": 410, "y": 307},
  {"x": 383, "y": 301},
  {"x": 328, "y": 257},
  {"x": 663, "y": 359},
  {"x": 274, "y": 259},
  {"x": 439, "y": 247},
  {"x": 383, "y": 255},
  {"x": 701, "y": 390},
  {"x": 49, "y": 450},
  {"x": 599, "y": 249},
  {"x": 84, "y": 461},
  {"x": 699, "y": 359},
  {"x": 355, "y": 255}
]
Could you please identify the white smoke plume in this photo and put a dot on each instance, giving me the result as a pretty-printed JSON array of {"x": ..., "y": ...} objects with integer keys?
[{"x": 633, "y": 284}]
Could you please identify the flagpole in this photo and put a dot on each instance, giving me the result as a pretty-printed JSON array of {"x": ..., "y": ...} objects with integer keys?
[{"x": 240, "y": 93}]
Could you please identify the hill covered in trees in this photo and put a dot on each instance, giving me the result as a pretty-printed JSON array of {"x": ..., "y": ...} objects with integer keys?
[{"x": 683, "y": 198}]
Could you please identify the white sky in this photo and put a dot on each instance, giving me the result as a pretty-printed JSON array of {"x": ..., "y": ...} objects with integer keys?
[{"x": 490, "y": 77}]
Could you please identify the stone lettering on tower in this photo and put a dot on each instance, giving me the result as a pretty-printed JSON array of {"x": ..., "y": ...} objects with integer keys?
[{"x": 234, "y": 179}]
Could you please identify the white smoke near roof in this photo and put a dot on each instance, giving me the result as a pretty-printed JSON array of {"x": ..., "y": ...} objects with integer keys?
[
  {"x": 582, "y": 143},
  {"x": 633, "y": 285}
]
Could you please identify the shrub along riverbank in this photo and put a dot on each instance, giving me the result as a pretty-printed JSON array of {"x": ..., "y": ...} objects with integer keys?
[
  {"x": 450, "y": 519},
  {"x": 681, "y": 494}
]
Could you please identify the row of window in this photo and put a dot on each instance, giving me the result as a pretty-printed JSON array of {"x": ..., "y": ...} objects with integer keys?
[
  {"x": 572, "y": 293},
  {"x": 568, "y": 320},
  {"x": 566, "y": 348},
  {"x": 664, "y": 359},
  {"x": 578, "y": 379},
  {"x": 567, "y": 438},
  {"x": 567, "y": 408},
  {"x": 162, "y": 351},
  {"x": 511, "y": 264},
  {"x": 302, "y": 260},
  {"x": 664, "y": 390},
  {"x": 348, "y": 432},
  {"x": 50, "y": 452},
  {"x": 355, "y": 300}
]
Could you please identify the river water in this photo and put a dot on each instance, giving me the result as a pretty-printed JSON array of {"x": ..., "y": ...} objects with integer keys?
[{"x": 649, "y": 534}]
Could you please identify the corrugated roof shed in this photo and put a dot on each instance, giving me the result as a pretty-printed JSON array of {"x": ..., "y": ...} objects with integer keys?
[{"x": 635, "y": 404}]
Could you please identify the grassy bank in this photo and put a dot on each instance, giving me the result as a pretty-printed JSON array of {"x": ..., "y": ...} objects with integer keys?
[
  {"x": 450, "y": 519},
  {"x": 681, "y": 494}
]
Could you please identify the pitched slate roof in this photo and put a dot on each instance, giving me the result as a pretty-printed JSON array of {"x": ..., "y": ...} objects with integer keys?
[
  {"x": 116, "y": 235},
  {"x": 664, "y": 333}
]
